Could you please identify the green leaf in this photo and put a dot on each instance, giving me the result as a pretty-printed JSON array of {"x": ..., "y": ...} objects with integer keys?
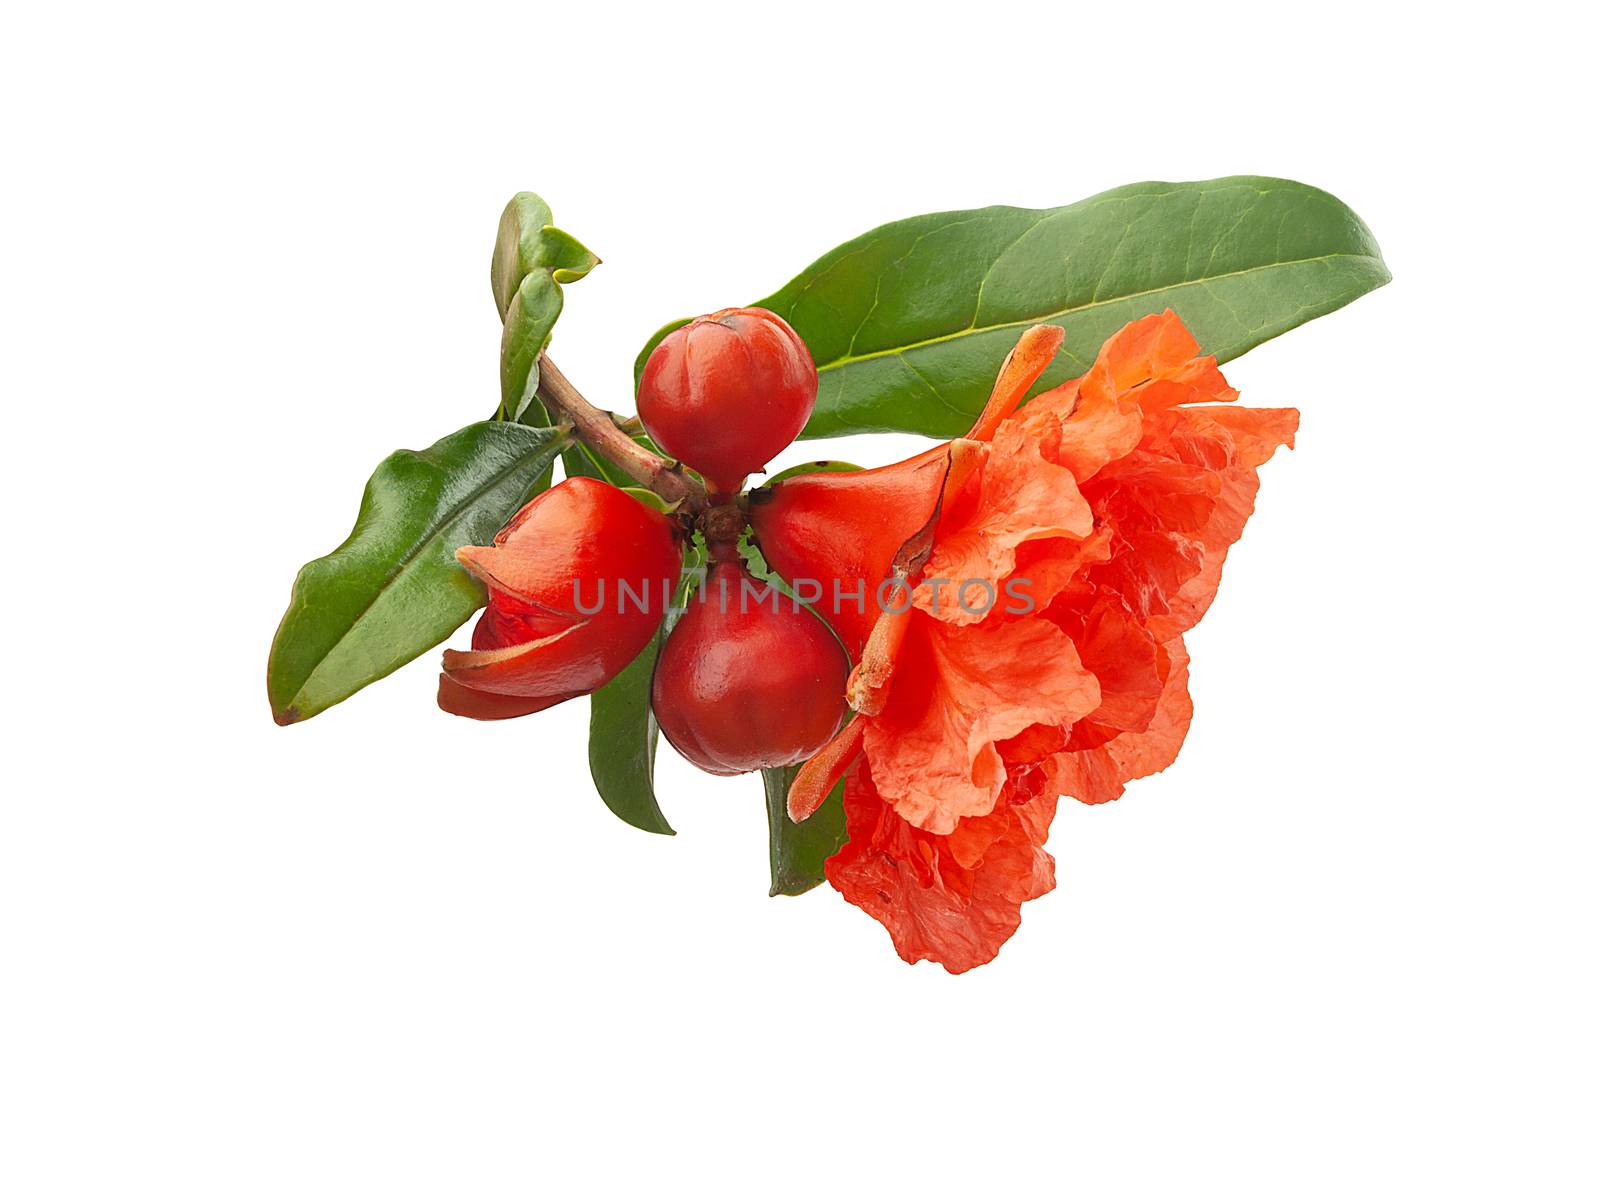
[
  {"x": 515, "y": 246},
  {"x": 796, "y": 852},
  {"x": 532, "y": 259},
  {"x": 534, "y": 414},
  {"x": 622, "y": 730},
  {"x": 567, "y": 258},
  {"x": 526, "y": 242},
  {"x": 622, "y": 744},
  {"x": 909, "y": 323},
  {"x": 812, "y": 466},
  {"x": 393, "y": 589},
  {"x": 530, "y": 320},
  {"x": 646, "y": 497},
  {"x": 579, "y": 460}
]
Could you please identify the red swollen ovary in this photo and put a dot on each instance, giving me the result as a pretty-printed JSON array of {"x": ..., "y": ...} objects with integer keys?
[
  {"x": 748, "y": 679},
  {"x": 726, "y": 393}
]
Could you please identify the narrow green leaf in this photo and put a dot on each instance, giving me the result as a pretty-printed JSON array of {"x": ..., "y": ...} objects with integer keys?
[
  {"x": 796, "y": 852},
  {"x": 530, "y": 319},
  {"x": 811, "y": 467},
  {"x": 393, "y": 589},
  {"x": 909, "y": 323},
  {"x": 622, "y": 744},
  {"x": 646, "y": 497}
]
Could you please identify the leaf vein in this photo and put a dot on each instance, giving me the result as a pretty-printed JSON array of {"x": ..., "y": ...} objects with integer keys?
[{"x": 1045, "y": 318}]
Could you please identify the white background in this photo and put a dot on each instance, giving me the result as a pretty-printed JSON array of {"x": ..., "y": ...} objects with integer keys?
[{"x": 1351, "y": 934}]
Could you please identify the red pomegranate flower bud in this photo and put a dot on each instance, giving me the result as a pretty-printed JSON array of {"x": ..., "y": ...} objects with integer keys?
[
  {"x": 726, "y": 393},
  {"x": 1052, "y": 563},
  {"x": 748, "y": 679},
  {"x": 578, "y": 583}
]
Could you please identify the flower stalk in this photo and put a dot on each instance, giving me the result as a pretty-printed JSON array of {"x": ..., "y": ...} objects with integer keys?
[{"x": 599, "y": 429}]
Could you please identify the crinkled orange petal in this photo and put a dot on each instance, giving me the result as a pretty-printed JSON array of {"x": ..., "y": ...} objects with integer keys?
[
  {"x": 957, "y": 691},
  {"x": 970, "y": 841},
  {"x": 1123, "y": 657},
  {"x": 950, "y": 899},
  {"x": 1021, "y": 498},
  {"x": 1094, "y": 434},
  {"x": 1144, "y": 350},
  {"x": 1096, "y": 775},
  {"x": 1178, "y": 502},
  {"x": 1156, "y": 747},
  {"x": 1197, "y": 380},
  {"x": 1146, "y": 366},
  {"x": 1033, "y": 744},
  {"x": 1048, "y": 566},
  {"x": 1257, "y": 432}
]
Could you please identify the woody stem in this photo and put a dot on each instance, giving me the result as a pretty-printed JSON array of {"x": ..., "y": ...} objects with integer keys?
[{"x": 599, "y": 430}]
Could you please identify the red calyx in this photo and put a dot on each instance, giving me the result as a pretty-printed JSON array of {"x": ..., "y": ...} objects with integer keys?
[
  {"x": 578, "y": 582},
  {"x": 842, "y": 529},
  {"x": 748, "y": 679},
  {"x": 726, "y": 393}
]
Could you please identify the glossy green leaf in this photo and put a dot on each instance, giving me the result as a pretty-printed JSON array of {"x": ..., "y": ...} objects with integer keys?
[
  {"x": 622, "y": 744},
  {"x": 796, "y": 851},
  {"x": 393, "y": 589},
  {"x": 909, "y": 323}
]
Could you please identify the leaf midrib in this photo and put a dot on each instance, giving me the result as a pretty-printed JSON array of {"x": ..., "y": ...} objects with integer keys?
[{"x": 894, "y": 351}]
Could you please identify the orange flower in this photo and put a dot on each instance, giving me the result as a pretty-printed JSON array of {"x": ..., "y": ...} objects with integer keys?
[{"x": 1067, "y": 547}]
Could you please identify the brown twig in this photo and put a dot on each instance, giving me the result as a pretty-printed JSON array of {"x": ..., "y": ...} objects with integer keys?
[{"x": 599, "y": 430}]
